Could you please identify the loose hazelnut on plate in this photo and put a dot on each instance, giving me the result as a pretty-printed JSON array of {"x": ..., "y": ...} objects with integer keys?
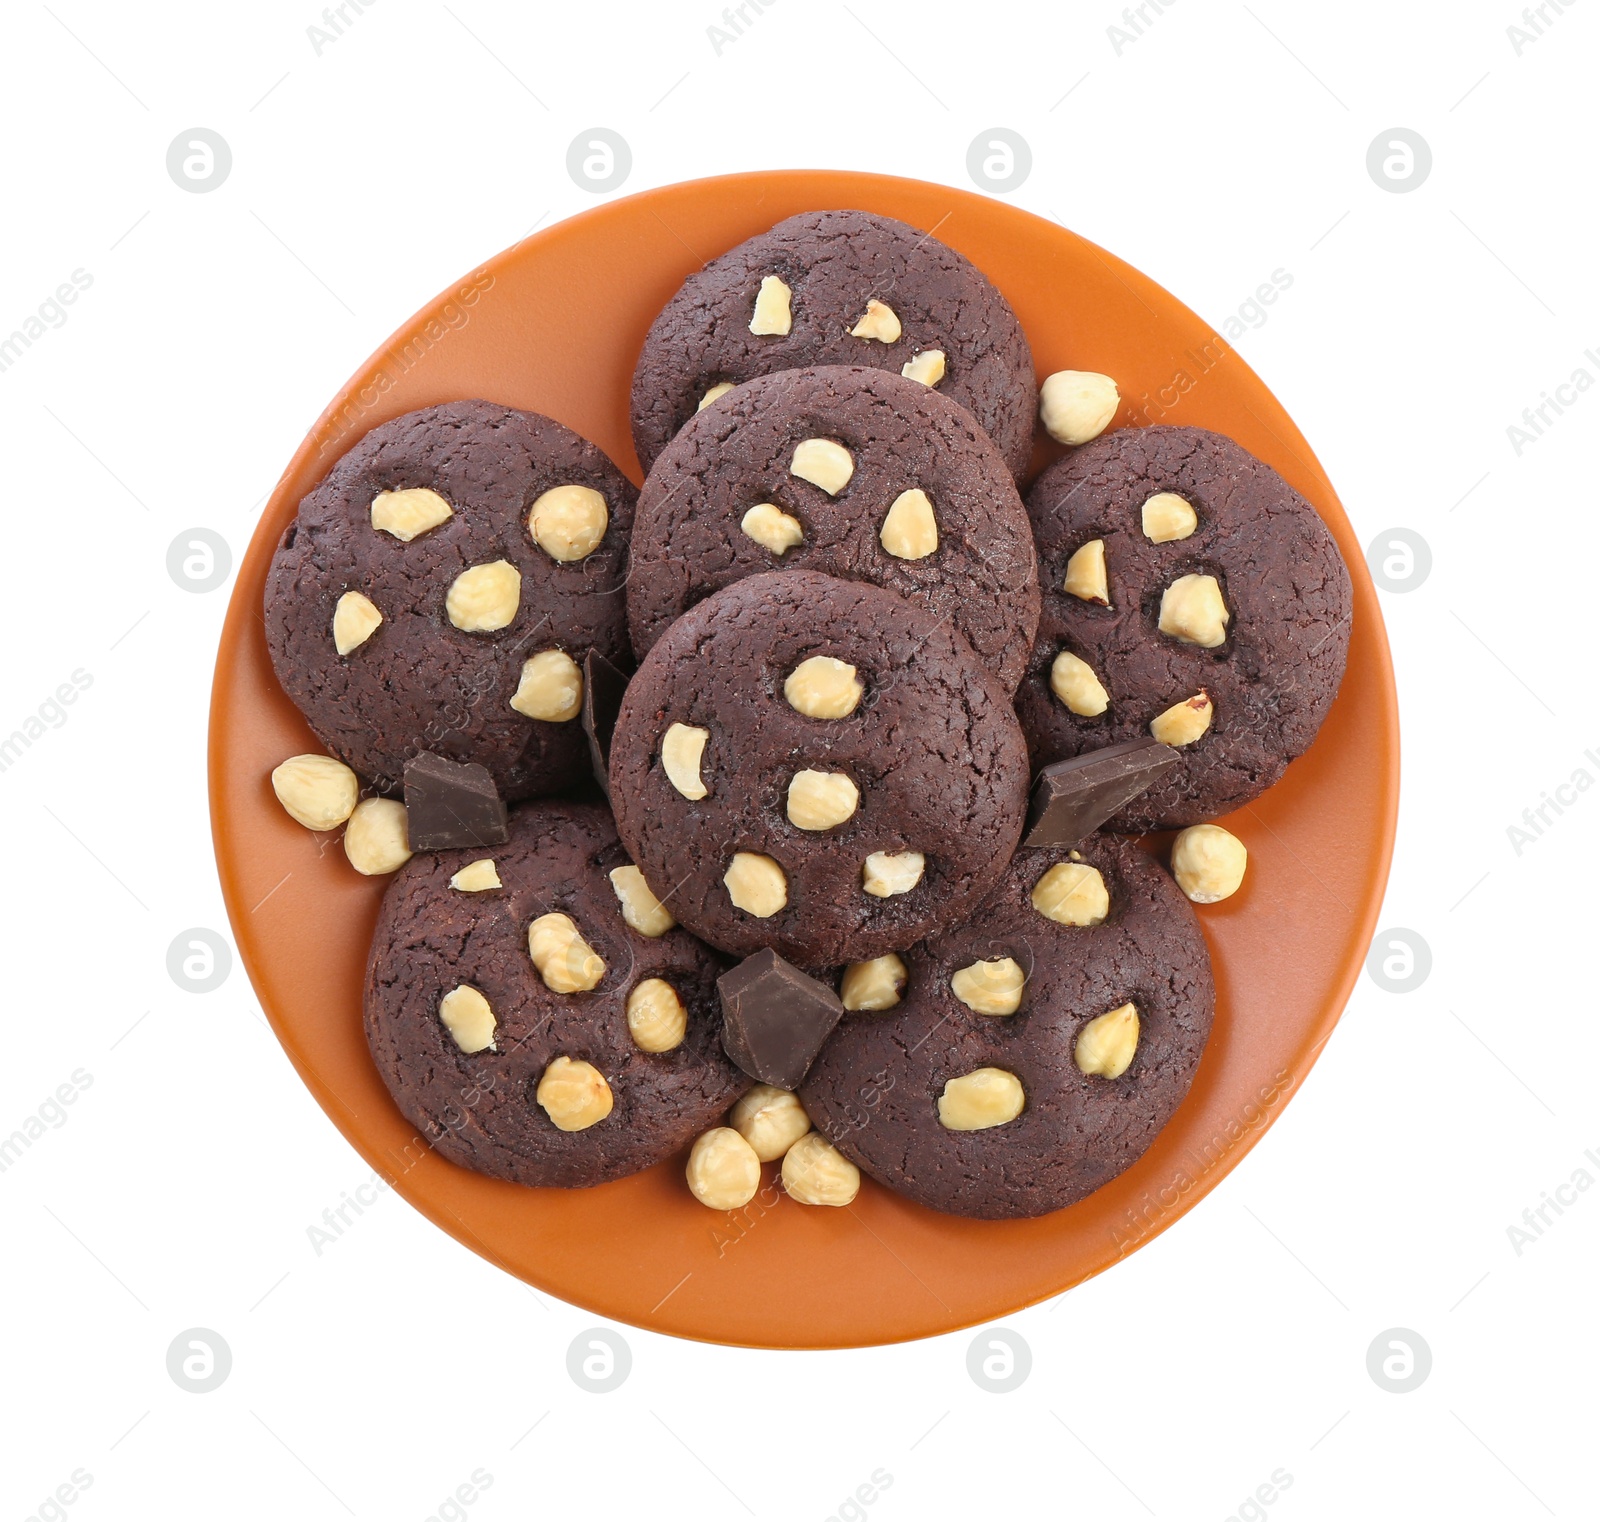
[
  {"x": 1208, "y": 863},
  {"x": 815, "y": 1172},
  {"x": 771, "y": 1119},
  {"x": 1076, "y": 405},
  {"x": 375, "y": 837},
  {"x": 724, "y": 1171},
  {"x": 316, "y": 791}
]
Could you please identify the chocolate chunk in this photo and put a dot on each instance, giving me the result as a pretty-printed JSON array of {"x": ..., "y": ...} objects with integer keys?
[
  {"x": 1073, "y": 798},
  {"x": 451, "y": 804},
  {"x": 775, "y": 1018},
  {"x": 603, "y": 686}
]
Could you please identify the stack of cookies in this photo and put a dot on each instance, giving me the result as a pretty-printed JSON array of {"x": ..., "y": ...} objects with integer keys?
[{"x": 782, "y": 810}]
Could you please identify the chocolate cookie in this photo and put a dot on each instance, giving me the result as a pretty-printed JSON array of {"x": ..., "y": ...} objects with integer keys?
[
  {"x": 523, "y": 1022},
  {"x": 1192, "y": 594},
  {"x": 852, "y": 472},
  {"x": 1012, "y": 1078},
  {"x": 838, "y": 288},
  {"x": 816, "y": 766},
  {"x": 439, "y": 589}
]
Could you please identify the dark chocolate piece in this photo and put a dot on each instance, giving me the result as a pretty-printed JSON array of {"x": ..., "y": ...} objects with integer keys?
[
  {"x": 775, "y": 1018},
  {"x": 1073, "y": 798},
  {"x": 450, "y": 803},
  {"x": 603, "y": 686}
]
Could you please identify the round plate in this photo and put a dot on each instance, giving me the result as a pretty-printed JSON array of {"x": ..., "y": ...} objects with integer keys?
[{"x": 555, "y": 325}]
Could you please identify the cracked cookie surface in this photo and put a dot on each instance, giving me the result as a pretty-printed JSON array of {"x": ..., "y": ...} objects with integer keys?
[
  {"x": 926, "y": 759},
  {"x": 417, "y": 681},
  {"x": 963, "y": 550},
  {"x": 833, "y": 263},
  {"x": 875, "y": 1089},
  {"x": 480, "y": 1108},
  {"x": 1286, "y": 592}
]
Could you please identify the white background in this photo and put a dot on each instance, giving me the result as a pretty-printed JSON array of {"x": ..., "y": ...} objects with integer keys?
[{"x": 372, "y": 1380}]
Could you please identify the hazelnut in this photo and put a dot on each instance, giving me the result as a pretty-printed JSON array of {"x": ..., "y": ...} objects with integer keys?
[
  {"x": 568, "y": 522},
  {"x": 1074, "y": 682},
  {"x": 821, "y": 687},
  {"x": 724, "y": 1171},
  {"x": 772, "y": 314},
  {"x": 469, "y": 1019},
  {"x": 1192, "y": 610},
  {"x": 355, "y": 618},
  {"x": 756, "y": 884},
  {"x": 375, "y": 838},
  {"x": 1167, "y": 516},
  {"x": 909, "y": 530},
  {"x": 1072, "y": 893},
  {"x": 484, "y": 598},
  {"x": 567, "y": 963},
  {"x": 823, "y": 463},
  {"x": 873, "y": 985},
  {"x": 886, "y": 873},
  {"x": 1184, "y": 722},
  {"x": 1106, "y": 1045},
  {"x": 1076, "y": 405},
  {"x": 815, "y": 1172},
  {"x": 574, "y": 1094},
  {"x": 1208, "y": 863},
  {"x": 820, "y": 800},
  {"x": 681, "y": 749},
  {"x": 722, "y": 388},
  {"x": 982, "y": 1098},
  {"x": 550, "y": 687},
  {"x": 477, "y": 877},
  {"x": 879, "y": 321},
  {"x": 316, "y": 791},
  {"x": 769, "y": 525},
  {"x": 1086, "y": 573},
  {"x": 641, "y": 909},
  {"x": 927, "y": 367},
  {"x": 410, "y": 512},
  {"x": 657, "y": 1019},
  {"x": 771, "y": 1120},
  {"x": 990, "y": 988}
]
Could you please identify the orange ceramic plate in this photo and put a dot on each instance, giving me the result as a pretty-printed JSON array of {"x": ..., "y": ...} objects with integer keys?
[{"x": 555, "y": 324}]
